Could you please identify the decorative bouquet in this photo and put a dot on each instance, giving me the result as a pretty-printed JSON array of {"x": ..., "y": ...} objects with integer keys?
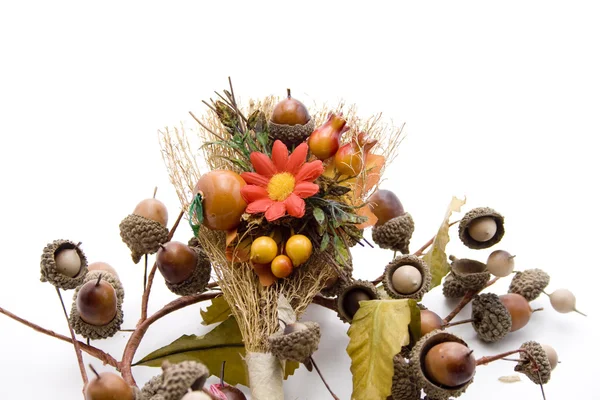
[{"x": 277, "y": 199}]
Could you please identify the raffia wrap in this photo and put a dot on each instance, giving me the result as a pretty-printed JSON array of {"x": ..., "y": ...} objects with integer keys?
[{"x": 265, "y": 375}]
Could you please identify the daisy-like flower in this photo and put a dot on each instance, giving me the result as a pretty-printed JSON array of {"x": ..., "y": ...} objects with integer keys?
[{"x": 281, "y": 182}]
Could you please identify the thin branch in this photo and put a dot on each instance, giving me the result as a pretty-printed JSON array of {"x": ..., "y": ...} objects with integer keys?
[
  {"x": 148, "y": 286},
  {"x": 312, "y": 360},
  {"x": 466, "y": 321},
  {"x": 235, "y": 107},
  {"x": 205, "y": 127},
  {"x": 91, "y": 350},
  {"x": 325, "y": 302},
  {"x": 136, "y": 337},
  {"x": 75, "y": 342},
  {"x": 466, "y": 300},
  {"x": 145, "y": 270}
]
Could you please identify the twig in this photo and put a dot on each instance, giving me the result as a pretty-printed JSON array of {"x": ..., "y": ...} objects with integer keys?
[
  {"x": 145, "y": 270},
  {"x": 75, "y": 342},
  {"x": 136, "y": 337},
  {"x": 205, "y": 127},
  {"x": 325, "y": 302},
  {"x": 235, "y": 107},
  {"x": 466, "y": 321},
  {"x": 91, "y": 350},
  {"x": 466, "y": 300},
  {"x": 312, "y": 360},
  {"x": 148, "y": 286}
]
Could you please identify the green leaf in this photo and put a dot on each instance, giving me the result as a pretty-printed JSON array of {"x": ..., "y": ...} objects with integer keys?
[
  {"x": 218, "y": 311},
  {"x": 319, "y": 215},
  {"x": 224, "y": 343},
  {"x": 379, "y": 330},
  {"x": 196, "y": 213},
  {"x": 436, "y": 257},
  {"x": 341, "y": 251},
  {"x": 415, "y": 321},
  {"x": 324, "y": 242},
  {"x": 263, "y": 139}
]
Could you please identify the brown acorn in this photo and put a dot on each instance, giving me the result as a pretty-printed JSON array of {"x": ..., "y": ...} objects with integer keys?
[
  {"x": 481, "y": 228},
  {"x": 348, "y": 301},
  {"x": 290, "y": 121},
  {"x": 407, "y": 277}
]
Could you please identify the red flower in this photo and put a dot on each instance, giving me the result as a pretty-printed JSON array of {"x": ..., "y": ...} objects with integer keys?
[{"x": 280, "y": 183}]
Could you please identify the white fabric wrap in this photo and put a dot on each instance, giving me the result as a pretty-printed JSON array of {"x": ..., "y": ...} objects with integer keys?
[{"x": 265, "y": 375}]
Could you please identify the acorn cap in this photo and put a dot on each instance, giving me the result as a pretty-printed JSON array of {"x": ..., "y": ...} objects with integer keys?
[
  {"x": 541, "y": 375},
  {"x": 142, "y": 235},
  {"x": 178, "y": 378},
  {"x": 472, "y": 215},
  {"x": 491, "y": 319},
  {"x": 298, "y": 345},
  {"x": 48, "y": 265},
  {"x": 365, "y": 286},
  {"x": 340, "y": 283},
  {"x": 452, "y": 288},
  {"x": 95, "y": 332},
  {"x": 197, "y": 282},
  {"x": 194, "y": 242},
  {"x": 407, "y": 260},
  {"x": 471, "y": 274},
  {"x": 151, "y": 387},
  {"x": 404, "y": 386},
  {"x": 417, "y": 362},
  {"x": 137, "y": 393},
  {"x": 395, "y": 234},
  {"x": 111, "y": 279},
  {"x": 291, "y": 135},
  {"x": 529, "y": 283}
]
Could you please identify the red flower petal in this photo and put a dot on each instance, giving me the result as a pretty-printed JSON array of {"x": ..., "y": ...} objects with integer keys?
[
  {"x": 262, "y": 164},
  {"x": 306, "y": 189},
  {"x": 279, "y": 155},
  {"x": 310, "y": 171},
  {"x": 297, "y": 158},
  {"x": 259, "y": 206},
  {"x": 252, "y": 178},
  {"x": 276, "y": 211},
  {"x": 295, "y": 206},
  {"x": 252, "y": 193}
]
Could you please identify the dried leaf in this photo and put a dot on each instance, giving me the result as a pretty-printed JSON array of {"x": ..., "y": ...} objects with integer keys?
[
  {"x": 224, "y": 343},
  {"x": 379, "y": 330},
  {"x": 285, "y": 312},
  {"x": 415, "y": 321},
  {"x": 227, "y": 116},
  {"x": 218, "y": 311},
  {"x": 436, "y": 257}
]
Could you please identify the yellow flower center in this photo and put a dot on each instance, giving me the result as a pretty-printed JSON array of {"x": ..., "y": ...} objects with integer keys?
[{"x": 281, "y": 186}]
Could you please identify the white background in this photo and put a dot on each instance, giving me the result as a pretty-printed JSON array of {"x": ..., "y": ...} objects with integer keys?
[{"x": 501, "y": 102}]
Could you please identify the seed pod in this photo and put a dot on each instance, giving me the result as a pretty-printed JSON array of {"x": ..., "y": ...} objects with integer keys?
[
  {"x": 49, "y": 272},
  {"x": 404, "y": 386},
  {"x": 395, "y": 234},
  {"x": 471, "y": 274},
  {"x": 291, "y": 135},
  {"x": 470, "y": 217},
  {"x": 353, "y": 293},
  {"x": 142, "y": 235},
  {"x": 151, "y": 387},
  {"x": 452, "y": 288},
  {"x": 178, "y": 378},
  {"x": 525, "y": 366},
  {"x": 491, "y": 319},
  {"x": 298, "y": 345},
  {"x": 430, "y": 388},
  {"x": 197, "y": 282},
  {"x": 411, "y": 260},
  {"x": 529, "y": 283}
]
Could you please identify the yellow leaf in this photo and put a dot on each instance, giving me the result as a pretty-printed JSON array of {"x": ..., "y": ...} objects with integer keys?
[
  {"x": 379, "y": 330},
  {"x": 218, "y": 311},
  {"x": 436, "y": 257}
]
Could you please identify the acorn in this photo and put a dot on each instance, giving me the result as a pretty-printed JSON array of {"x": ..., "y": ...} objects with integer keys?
[
  {"x": 394, "y": 227},
  {"x": 96, "y": 312},
  {"x": 145, "y": 229},
  {"x": 104, "y": 267},
  {"x": 348, "y": 301},
  {"x": 430, "y": 322},
  {"x": 491, "y": 319},
  {"x": 297, "y": 342},
  {"x": 178, "y": 378},
  {"x": 222, "y": 389},
  {"x": 196, "y": 395},
  {"x": 519, "y": 308},
  {"x": 481, "y": 228},
  {"x": 538, "y": 371},
  {"x": 471, "y": 274},
  {"x": 500, "y": 263},
  {"x": 108, "y": 386},
  {"x": 407, "y": 277},
  {"x": 452, "y": 288},
  {"x": 563, "y": 301},
  {"x": 404, "y": 386},
  {"x": 290, "y": 122},
  {"x": 151, "y": 387},
  {"x": 442, "y": 364},
  {"x": 529, "y": 283},
  {"x": 63, "y": 264},
  {"x": 186, "y": 269}
]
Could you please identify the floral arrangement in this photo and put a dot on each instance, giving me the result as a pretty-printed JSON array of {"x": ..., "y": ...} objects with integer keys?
[{"x": 276, "y": 197}]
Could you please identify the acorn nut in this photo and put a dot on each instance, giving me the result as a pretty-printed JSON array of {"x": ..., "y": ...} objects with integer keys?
[
  {"x": 481, "y": 228},
  {"x": 407, "y": 277}
]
